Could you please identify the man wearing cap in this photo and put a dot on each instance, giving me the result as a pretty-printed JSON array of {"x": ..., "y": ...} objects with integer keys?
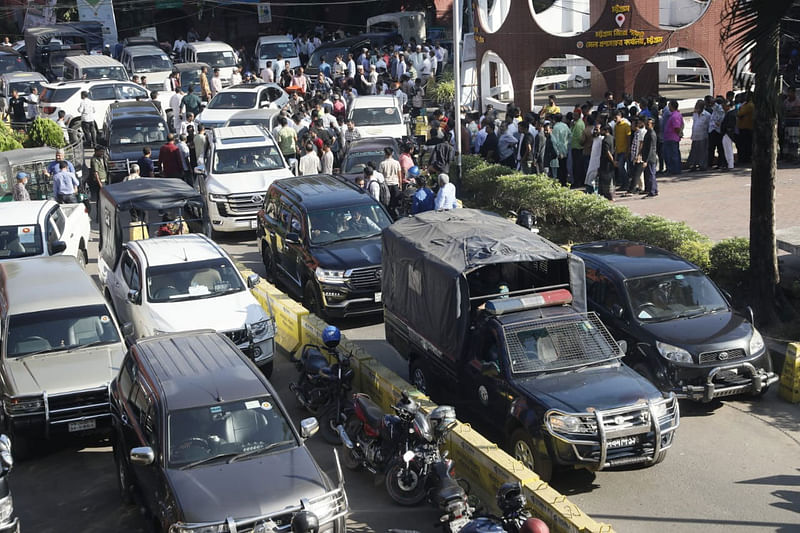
[
  {"x": 20, "y": 192},
  {"x": 417, "y": 58}
]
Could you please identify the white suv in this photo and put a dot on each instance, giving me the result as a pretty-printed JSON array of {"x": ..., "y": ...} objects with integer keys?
[
  {"x": 187, "y": 282},
  {"x": 241, "y": 163},
  {"x": 67, "y": 96},
  {"x": 240, "y": 97},
  {"x": 378, "y": 116}
]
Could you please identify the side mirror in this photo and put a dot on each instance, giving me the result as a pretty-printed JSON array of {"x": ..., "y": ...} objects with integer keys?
[
  {"x": 490, "y": 369},
  {"x": 623, "y": 347},
  {"x": 200, "y": 170},
  {"x": 292, "y": 238},
  {"x": 750, "y": 315},
  {"x": 56, "y": 247},
  {"x": 133, "y": 296},
  {"x": 127, "y": 329},
  {"x": 253, "y": 281},
  {"x": 142, "y": 456},
  {"x": 617, "y": 311},
  {"x": 308, "y": 427}
]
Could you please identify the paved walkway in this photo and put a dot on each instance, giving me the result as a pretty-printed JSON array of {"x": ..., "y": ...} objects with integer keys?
[{"x": 717, "y": 203}]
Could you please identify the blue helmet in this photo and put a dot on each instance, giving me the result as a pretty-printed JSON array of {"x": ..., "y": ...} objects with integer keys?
[
  {"x": 413, "y": 171},
  {"x": 331, "y": 336}
]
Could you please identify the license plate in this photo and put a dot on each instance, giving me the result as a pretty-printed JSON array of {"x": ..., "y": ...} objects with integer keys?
[
  {"x": 622, "y": 442},
  {"x": 253, "y": 224},
  {"x": 377, "y": 297},
  {"x": 83, "y": 425}
]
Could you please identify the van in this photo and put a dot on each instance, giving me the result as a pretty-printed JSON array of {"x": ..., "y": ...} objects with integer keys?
[
  {"x": 149, "y": 61},
  {"x": 215, "y": 54},
  {"x": 409, "y": 24},
  {"x": 94, "y": 67},
  {"x": 269, "y": 47},
  {"x": 378, "y": 116}
]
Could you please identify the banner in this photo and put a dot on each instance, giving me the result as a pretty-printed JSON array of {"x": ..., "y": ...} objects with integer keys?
[
  {"x": 39, "y": 13},
  {"x": 264, "y": 13},
  {"x": 103, "y": 12}
]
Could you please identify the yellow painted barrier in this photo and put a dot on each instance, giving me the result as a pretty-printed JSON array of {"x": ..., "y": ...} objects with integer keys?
[
  {"x": 790, "y": 376},
  {"x": 478, "y": 460}
]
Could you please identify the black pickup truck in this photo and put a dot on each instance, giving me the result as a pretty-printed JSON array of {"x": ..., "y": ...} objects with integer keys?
[{"x": 493, "y": 317}]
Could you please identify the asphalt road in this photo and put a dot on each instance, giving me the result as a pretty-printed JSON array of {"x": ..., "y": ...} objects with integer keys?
[{"x": 734, "y": 467}]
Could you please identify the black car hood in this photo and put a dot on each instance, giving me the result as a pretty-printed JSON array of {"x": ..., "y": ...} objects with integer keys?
[
  {"x": 344, "y": 255},
  {"x": 246, "y": 488},
  {"x": 602, "y": 387},
  {"x": 132, "y": 151},
  {"x": 718, "y": 330}
]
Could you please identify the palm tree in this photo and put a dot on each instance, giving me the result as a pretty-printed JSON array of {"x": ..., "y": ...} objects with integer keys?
[{"x": 752, "y": 28}]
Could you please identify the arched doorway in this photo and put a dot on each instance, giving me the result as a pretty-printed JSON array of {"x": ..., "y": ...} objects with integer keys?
[
  {"x": 569, "y": 78},
  {"x": 496, "y": 86}
]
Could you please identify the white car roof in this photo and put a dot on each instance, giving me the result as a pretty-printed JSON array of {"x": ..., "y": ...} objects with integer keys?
[
  {"x": 23, "y": 76},
  {"x": 241, "y": 135},
  {"x": 94, "y": 60},
  {"x": 375, "y": 101},
  {"x": 206, "y": 46},
  {"x": 274, "y": 39},
  {"x": 172, "y": 249},
  {"x": 23, "y": 213},
  {"x": 86, "y": 83},
  {"x": 144, "y": 50}
]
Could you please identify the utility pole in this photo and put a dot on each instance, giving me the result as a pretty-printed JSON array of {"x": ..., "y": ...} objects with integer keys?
[{"x": 457, "y": 36}]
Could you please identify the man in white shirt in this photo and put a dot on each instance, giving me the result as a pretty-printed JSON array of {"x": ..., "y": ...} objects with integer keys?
[
  {"x": 216, "y": 83},
  {"x": 86, "y": 109},
  {"x": 267, "y": 74},
  {"x": 351, "y": 66},
  {"x": 327, "y": 159},
  {"x": 184, "y": 125},
  {"x": 33, "y": 103},
  {"x": 236, "y": 77},
  {"x": 175, "y": 104},
  {"x": 434, "y": 63},
  {"x": 309, "y": 163}
]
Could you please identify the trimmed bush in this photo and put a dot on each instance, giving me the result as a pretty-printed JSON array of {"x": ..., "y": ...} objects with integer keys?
[
  {"x": 730, "y": 263},
  {"x": 8, "y": 139},
  {"x": 45, "y": 132}
]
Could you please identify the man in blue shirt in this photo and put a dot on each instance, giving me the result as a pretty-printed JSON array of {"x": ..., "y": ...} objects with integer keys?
[
  {"x": 146, "y": 163},
  {"x": 446, "y": 197},
  {"x": 53, "y": 167},
  {"x": 423, "y": 199},
  {"x": 65, "y": 184}
]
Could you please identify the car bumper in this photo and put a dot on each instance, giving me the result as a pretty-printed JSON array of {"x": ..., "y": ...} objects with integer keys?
[
  {"x": 341, "y": 302},
  {"x": 35, "y": 427},
  {"x": 727, "y": 380},
  {"x": 627, "y": 443},
  {"x": 228, "y": 223}
]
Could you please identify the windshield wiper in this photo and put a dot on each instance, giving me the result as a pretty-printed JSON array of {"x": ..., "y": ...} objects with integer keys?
[
  {"x": 208, "y": 460},
  {"x": 265, "y": 449},
  {"x": 356, "y": 237}
]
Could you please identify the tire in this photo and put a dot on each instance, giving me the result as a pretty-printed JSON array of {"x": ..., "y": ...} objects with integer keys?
[
  {"x": 269, "y": 262},
  {"x": 22, "y": 448},
  {"x": 267, "y": 369},
  {"x": 524, "y": 448},
  {"x": 420, "y": 377},
  {"x": 208, "y": 230},
  {"x": 405, "y": 489},
  {"x": 327, "y": 426},
  {"x": 352, "y": 427},
  {"x": 123, "y": 478},
  {"x": 312, "y": 302},
  {"x": 83, "y": 257}
]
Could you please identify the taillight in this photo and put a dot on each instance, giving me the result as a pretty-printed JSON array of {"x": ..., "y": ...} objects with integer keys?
[{"x": 48, "y": 110}]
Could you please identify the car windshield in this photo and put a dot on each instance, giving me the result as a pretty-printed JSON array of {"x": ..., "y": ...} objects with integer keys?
[
  {"x": 60, "y": 329},
  {"x": 251, "y": 159},
  {"x": 558, "y": 343},
  {"x": 356, "y": 161},
  {"x": 142, "y": 133},
  {"x": 227, "y": 431},
  {"x": 376, "y": 116},
  {"x": 105, "y": 73},
  {"x": 329, "y": 54},
  {"x": 192, "y": 281},
  {"x": 250, "y": 121},
  {"x": 190, "y": 78},
  {"x": 233, "y": 100},
  {"x": 217, "y": 59},
  {"x": 20, "y": 241},
  {"x": 272, "y": 50},
  {"x": 12, "y": 63},
  {"x": 343, "y": 223},
  {"x": 24, "y": 87},
  {"x": 151, "y": 63},
  {"x": 676, "y": 295}
]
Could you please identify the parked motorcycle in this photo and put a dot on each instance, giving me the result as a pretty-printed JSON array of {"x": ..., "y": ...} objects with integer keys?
[
  {"x": 8, "y": 523},
  {"x": 404, "y": 446},
  {"x": 322, "y": 388}
]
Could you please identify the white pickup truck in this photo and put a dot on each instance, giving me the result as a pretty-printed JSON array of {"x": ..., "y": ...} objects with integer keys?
[{"x": 43, "y": 228}]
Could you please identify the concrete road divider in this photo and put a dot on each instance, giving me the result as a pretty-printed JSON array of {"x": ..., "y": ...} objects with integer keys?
[
  {"x": 790, "y": 376},
  {"x": 479, "y": 461}
]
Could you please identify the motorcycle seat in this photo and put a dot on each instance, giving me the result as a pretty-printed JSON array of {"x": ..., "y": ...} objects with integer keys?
[
  {"x": 372, "y": 412},
  {"x": 449, "y": 491},
  {"x": 313, "y": 361}
]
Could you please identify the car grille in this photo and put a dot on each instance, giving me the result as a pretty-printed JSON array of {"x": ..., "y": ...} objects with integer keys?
[
  {"x": 722, "y": 356},
  {"x": 71, "y": 406},
  {"x": 630, "y": 422},
  {"x": 366, "y": 278},
  {"x": 238, "y": 336},
  {"x": 245, "y": 204}
]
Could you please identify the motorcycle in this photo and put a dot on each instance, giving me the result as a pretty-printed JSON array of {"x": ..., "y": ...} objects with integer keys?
[
  {"x": 7, "y": 524},
  {"x": 322, "y": 388},
  {"x": 404, "y": 446}
]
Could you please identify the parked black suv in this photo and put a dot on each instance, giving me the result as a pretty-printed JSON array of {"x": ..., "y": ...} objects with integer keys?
[
  {"x": 321, "y": 236},
  {"x": 681, "y": 332},
  {"x": 129, "y": 127},
  {"x": 203, "y": 441}
]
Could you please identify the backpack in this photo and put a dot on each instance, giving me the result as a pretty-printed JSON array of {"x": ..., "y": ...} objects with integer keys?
[{"x": 385, "y": 197}]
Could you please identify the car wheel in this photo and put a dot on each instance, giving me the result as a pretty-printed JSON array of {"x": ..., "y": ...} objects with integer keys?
[
  {"x": 419, "y": 376},
  {"x": 524, "y": 449},
  {"x": 208, "y": 230},
  {"x": 123, "y": 478},
  {"x": 82, "y": 257},
  {"x": 311, "y": 300},
  {"x": 22, "y": 448},
  {"x": 269, "y": 262}
]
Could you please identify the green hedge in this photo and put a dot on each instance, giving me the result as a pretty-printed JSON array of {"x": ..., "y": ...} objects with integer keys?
[
  {"x": 45, "y": 132},
  {"x": 571, "y": 216}
]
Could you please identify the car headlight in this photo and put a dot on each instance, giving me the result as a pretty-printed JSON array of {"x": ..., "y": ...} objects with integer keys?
[
  {"x": 188, "y": 528},
  {"x": 330, "y": 276},
  {"x": 6, "y": 509},
  {"x": 756, "y": 342},
  {"x": 216, "y": 197},
  {"x": 673, "y": 353},
  {"x": 571, "y": 424},
  {"x": 262, "y": 330},
  {"x": 660, "y": 410},
  {"x": 23, "y": 405}
]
